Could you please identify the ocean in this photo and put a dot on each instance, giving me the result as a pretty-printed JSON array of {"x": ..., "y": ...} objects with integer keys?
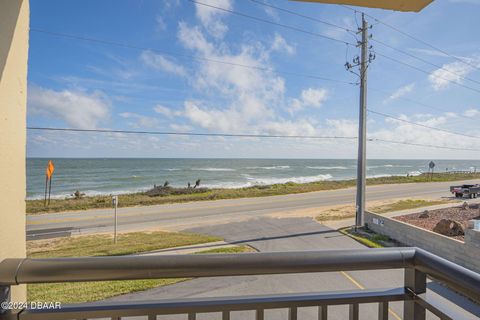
[{"x": 117, "y": 176}]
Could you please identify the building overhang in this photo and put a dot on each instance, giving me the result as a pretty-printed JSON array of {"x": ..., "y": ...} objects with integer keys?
[{"x": 397, "y": 5}]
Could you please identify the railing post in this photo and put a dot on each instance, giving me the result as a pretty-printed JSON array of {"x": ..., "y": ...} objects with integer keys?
[
  {"x": 292, "y": 313},
  {"x": 383, "y": 311},
  {"x": 4, "y": 297},
  {"x": 226, "y": 315},
  {"x": 259, "y": 314},
  {"x": 323, "y": 312},
  {"x": 416, "y": 282},
  {"x": 353, "y": 312}
]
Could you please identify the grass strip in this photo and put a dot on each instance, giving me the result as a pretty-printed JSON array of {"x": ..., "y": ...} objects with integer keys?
[
  {"x": 102, "y": 245},
  {"x": 370, "y": 242}
]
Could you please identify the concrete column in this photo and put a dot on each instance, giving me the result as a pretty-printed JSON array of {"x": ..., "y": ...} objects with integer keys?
[{"x": 14, "y": 24}]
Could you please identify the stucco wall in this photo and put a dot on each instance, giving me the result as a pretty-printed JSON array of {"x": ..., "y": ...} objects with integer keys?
[
  {"x": 14, "y": 23},
  {"x": 465, "y": 253}
]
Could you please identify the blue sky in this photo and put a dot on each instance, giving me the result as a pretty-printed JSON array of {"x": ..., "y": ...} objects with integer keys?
[{"x": 170, "y": 83}]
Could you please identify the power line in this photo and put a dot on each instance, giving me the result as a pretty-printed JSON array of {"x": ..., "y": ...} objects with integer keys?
[
  {"x": 421, "y": 145},
  {"x": 416, "y": 39},
  {"x": 422, "y": 125},
  {"x": 141, "y": 48},
  {"x": 243, "y": 136},
  {"x": 426, "y": 72},
  {"x": 424, "y": 60},
  {"x": 351, "y": 31},
  {"x": 375, "y": 40},
  {"x": 302, "y": 15},
  {"x": 422, "y": 104},
  {"x": 239, "y": 135},
  {"x": 244, "y": 15}
]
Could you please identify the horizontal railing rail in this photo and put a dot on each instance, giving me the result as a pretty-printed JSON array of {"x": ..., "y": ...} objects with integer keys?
[
  {"x": 417, "y": 264},
  {"x": 22, "y": 271}
]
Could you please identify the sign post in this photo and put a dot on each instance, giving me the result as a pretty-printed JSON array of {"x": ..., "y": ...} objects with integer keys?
[
  {"x": 48, "y": 178},
  {"x": 431, "y": 167},
  {"x": 115, "y": 205}
]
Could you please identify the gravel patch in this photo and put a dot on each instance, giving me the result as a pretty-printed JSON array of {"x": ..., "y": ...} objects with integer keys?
[{"x": 454, "y": 213}]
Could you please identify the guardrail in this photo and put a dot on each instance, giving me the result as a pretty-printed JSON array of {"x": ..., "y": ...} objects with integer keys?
[{"x": 417, "y": 263}]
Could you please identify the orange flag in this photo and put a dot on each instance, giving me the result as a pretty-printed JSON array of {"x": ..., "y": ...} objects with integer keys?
[{"x": 50, "y": 169}]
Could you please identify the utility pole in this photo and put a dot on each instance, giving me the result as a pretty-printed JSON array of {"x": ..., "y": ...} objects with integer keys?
[
  {"x": 362, "y": 127},
  {"x": 401, "y": 5}
]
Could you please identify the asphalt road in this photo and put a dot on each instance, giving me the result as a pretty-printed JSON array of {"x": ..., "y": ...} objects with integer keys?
[
  {"x": 185, "y": 215},
  {"x": 293, "y": 234}
]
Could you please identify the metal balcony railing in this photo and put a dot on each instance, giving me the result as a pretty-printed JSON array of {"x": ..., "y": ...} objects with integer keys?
[{"x": 417, "y": 263}]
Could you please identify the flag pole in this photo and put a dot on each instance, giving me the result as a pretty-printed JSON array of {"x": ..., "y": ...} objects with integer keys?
[
  {"x": 46, "y": 184},
  {"x": 50, "y": 190}
]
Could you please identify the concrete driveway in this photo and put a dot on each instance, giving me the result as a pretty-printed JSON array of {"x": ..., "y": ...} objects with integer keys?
[{"x": 293, "y": 234}]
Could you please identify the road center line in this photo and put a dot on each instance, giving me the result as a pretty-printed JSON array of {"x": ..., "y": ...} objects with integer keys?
[{"x": 356, "y": 283}]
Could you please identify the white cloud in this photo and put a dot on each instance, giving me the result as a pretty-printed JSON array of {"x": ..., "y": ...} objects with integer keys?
[
  {"x": 211, "y": 17},
  {"x": 342, "y": 127},
  {"x": 269, "y": 11},
  {"x": 410, "y": 133},
  {"x": 168, "y": 4},
  {"x": 471, "y": 112},
  {"x": 161, "y": 24},
  {"x": 164, "y": 110},
  {"x": 400, "y": 92},
  {"x": 310, "y": 97},
  {"x": 193, "y": 38},
  {"x": 280, "y": 44},
  {"x": 245, "y": 99},
  {"x": 77, "y": 108},
  {"x": 314, "y": 97},
  {"x": 181, "y": 127},
  {"x": 451, "y": 72},
  {"x": 161, "y": 63},
  {"x": 140, "y": 121}
]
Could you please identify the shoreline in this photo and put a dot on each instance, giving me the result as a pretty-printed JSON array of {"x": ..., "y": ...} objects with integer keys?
[
  {"x": 140, "y": 190},
  {"x": 141, "y": 199}
]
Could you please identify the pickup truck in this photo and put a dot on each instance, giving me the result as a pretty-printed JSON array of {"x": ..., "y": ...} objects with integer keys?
[{"x": 469, "y": 190}]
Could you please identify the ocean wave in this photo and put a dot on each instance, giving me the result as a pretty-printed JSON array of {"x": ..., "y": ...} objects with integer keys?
[
  {"x": 271, "y": 167},
  {"x": 172, "y": 169},
  {"x": 213, "y": 169},
  {"x": 371, "y": 176},
  {"x": 227, "y": 185},
  {"x": 88, "y": 193},
  {"x": 397, "y": 166},
  {"x": 415, "y": 173},
  {"x": 304, "y": 179},
  {"x": 127, "y": 178},
  {"x": 329, "y": 168}
]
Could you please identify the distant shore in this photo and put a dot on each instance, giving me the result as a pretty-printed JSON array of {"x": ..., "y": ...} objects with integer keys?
[{"x": 142, "y": 199}]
